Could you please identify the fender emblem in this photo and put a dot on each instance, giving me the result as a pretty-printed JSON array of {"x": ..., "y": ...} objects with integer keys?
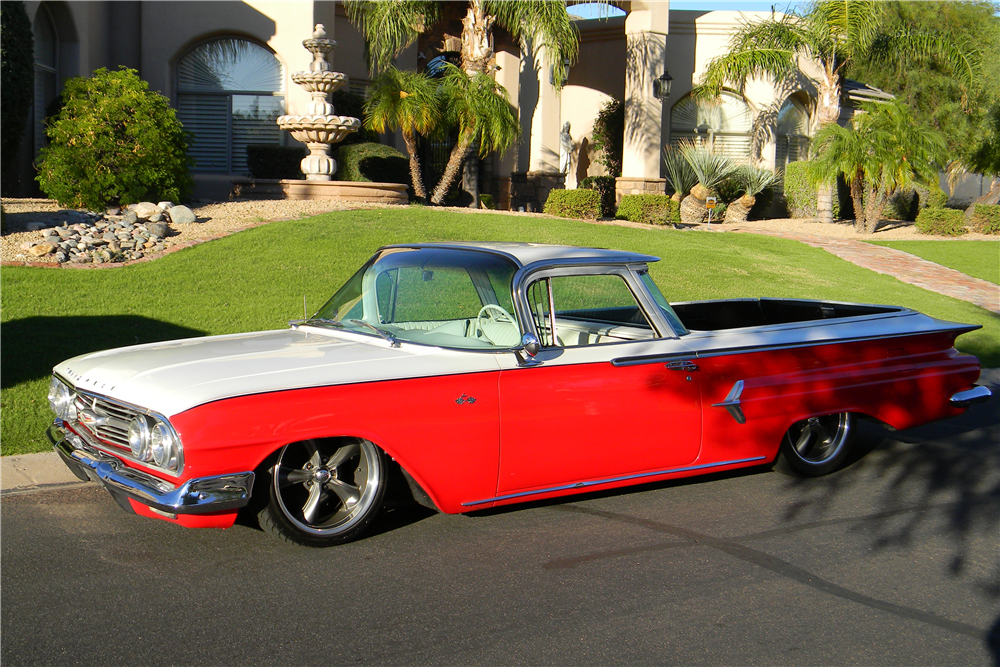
[{"x": 465, "y": 398}]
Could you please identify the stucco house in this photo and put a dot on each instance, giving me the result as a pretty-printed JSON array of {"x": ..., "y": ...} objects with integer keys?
[{"x": 176, "y": 47}]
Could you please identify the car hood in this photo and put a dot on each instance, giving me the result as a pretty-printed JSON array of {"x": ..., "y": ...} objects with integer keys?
[{"x": 174, "y": 376}]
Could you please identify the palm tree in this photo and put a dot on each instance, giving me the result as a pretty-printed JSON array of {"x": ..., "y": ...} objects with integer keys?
[
  {"x": 880, "y": 152},
  {"x": 753, "y": 180},
  {"x": 711, "y": 168},
  {"x": 682, "y": 178},
  {"x": 482, "y": 112},
  {"x": 833, "y": 33},
  {"x": 542, "y": 25},
  {"x": 409, "y": 102}
]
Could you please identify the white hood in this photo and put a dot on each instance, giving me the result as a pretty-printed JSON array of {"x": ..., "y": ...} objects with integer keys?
[{"x": 174, "y": 376}]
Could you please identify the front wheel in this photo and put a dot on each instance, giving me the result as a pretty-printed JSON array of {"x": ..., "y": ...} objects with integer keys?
[
  {"x": 818, "y": 445},
  {"x": 324, "y": 492}
]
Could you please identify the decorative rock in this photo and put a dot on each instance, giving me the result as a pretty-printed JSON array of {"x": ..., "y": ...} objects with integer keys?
[
  {"x": 109, "y": 236},
  {"x": 181, "y": 215},
  {"x": 47, "y": 233},
  {"x": 159, "y": 229},
  {"x": 145, "y": 209},
  {"x": 41, "y": 249},
  {"x": 60, "y": 257},
  {"x": 164, "y": 205},
  {"x": 156, "y": 217},
  {"x": 35, "y": 226},
  {"x": 26, "y": 245},
  {"x": 112, "y": 210},
  {"x": 130, "y": 218}
]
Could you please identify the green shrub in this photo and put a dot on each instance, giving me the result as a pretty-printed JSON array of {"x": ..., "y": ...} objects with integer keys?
[
  {"x": 605, "y": 187},
  {"x": 800, "y": 197},
  {"x": 114, "y": 142},
  {"x": 580, "y": 204},
  {"x": 486, "y": 201},
  {"x": 271, "y": 161},
  {"x": 931, "y": 195},
  {"x": 17, "y": 81},
  {"x": 371, "y": 162},
  {"x": 903, "y": 205},
  {"x": 986, "y": 218},
  {"x": 650, "y": 209},
  {"x": 609, "y": 137},
  {"x": 941, "y": 222}
]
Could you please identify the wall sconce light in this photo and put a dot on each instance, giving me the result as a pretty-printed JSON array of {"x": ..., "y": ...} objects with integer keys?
[
  {"x": 661, "y": 86},
  {"x": 552, "y": 72}
]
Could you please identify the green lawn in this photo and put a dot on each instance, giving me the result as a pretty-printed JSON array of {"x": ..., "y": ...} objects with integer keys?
[
  {"x": 256, "y": 280},
  {"x": 979, "y": 259}
]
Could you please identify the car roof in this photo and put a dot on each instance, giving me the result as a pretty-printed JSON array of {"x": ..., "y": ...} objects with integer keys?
[{"x": 531, "y": 253}]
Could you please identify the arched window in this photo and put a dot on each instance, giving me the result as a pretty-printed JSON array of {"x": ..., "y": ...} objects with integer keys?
[
  {"x": 46, "y": 70},
  {"x": 791, "y": 133},
  {"x": 230, "y": 92},
  {"x": 724, "y": 123}
]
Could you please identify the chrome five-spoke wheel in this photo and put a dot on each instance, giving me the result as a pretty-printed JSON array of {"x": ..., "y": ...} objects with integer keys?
[
  {"x": 324, "y": 492},
  {"x": 818, "y": 445}
]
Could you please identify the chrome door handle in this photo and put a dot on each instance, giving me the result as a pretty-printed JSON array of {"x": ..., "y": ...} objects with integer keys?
[{"x": 682, "y": 365}]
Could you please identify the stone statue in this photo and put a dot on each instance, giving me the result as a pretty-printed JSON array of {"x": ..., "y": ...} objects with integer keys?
[{"x": 565, "y": 149}]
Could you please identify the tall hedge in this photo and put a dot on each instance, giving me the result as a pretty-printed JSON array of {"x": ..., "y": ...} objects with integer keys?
[
  {"x": 800, "y": 197},
  {"x": 114, "y": 142},
  {"x": 17, "y": 81}
]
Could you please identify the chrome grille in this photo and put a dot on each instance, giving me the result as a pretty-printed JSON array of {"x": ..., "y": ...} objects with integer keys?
[{"x": 112, "y": 418}]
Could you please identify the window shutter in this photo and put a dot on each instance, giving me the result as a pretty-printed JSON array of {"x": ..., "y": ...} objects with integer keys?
[{"x": 207, "y": 117}]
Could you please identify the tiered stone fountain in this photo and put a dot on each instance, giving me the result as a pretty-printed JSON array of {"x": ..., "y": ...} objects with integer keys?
[{"x": 318, "y": 129}]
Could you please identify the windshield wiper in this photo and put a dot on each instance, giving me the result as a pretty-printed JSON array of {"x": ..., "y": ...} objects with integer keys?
[
  {"x": 319, "y": 321},
  {"x": 384, "y": 334}
]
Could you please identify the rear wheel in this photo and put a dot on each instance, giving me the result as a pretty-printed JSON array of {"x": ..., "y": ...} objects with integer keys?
[
  {"x": 324, "y": 492},
  {"x": 818, "y": 445}
]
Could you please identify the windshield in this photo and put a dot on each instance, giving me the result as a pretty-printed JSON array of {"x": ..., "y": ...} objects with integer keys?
[
  {"x": 668, "y": 312},
  {"x": 434, "y": 296}
]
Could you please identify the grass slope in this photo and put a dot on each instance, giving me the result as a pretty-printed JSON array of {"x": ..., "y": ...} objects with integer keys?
[
  {"x": 256, "y": 280},
  {"x": 979, "y": 259}
]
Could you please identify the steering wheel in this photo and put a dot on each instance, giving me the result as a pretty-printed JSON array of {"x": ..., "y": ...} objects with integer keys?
[{"x": 495, "y": 315}]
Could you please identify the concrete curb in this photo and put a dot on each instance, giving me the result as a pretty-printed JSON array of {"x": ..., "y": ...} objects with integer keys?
[{"x": 33, "y": 473}]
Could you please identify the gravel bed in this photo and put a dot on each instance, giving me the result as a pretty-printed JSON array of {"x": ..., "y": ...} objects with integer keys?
[{"x": 225, "y": 217}]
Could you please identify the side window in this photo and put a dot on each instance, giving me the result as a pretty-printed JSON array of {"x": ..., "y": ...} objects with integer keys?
[
  {"x": 589, "y": 310},
  {"x": 428, "y": 294}
]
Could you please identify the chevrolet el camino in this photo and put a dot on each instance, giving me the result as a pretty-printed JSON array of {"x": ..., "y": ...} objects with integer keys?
[{"x": 469, "y": 376}]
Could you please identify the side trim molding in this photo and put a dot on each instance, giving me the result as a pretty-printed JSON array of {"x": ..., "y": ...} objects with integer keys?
[{"x": 610, "y": 480}]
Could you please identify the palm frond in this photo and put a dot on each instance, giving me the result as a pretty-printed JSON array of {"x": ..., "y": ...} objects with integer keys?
[
  {"x": 540, "y": 24},
  {"x": 963, "y": 61},
  {"x": 709, "y": 166},
  {"x": 682, "y": 178},
  {"x": 754, "y": 179},
  {"x": 848, "y": 26},
  {"x": 481, "y": 109},
  {"x": 738, "y": 67},
  {"x": 402, "y": 99},
  {"x": 390, "y": 27}
]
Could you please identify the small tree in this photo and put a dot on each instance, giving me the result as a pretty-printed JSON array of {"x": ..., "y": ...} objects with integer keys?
[
  {"x": 479, "y": 106},
  {"x": 711, "y": 168},
  {"x": 881, "y": 151},
  {"x": 114, "y": 142},
  {"x": 609, "y": 136},
  {"x": 752, "y": 181},
  {"x": 17, "y": 81},
  {"x": 407, "y": 101}
]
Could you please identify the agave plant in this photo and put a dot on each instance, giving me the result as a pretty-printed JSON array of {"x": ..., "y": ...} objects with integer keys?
[
  {"x": 752, "y": 181},
  {"x": 711, "y": 168},
  {"x": 679, "y": 173}
]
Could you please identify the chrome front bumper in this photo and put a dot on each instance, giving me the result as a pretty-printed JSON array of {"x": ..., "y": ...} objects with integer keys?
[
  {"x": 977, "y": 394},
  {"x": 204, "y": 495}
]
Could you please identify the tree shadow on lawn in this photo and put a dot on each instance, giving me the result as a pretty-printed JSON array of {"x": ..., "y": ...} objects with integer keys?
[{"x": 32, "y": 346}]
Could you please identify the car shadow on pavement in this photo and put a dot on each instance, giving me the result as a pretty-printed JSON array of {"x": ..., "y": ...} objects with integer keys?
[{"x": 33, "y": 345}]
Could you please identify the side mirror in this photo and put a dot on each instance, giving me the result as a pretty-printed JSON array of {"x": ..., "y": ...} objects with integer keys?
[{"x": 530, "y": 344}]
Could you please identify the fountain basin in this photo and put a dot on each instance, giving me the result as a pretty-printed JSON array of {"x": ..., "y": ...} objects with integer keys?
[{"x": 342, "y": 191}]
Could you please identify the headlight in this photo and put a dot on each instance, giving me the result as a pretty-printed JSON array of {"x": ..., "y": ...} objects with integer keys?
[
  {"x": 164, "y": 446},
  {"x": 139, "y": 438},
  {"x": 61, "y": 399}
]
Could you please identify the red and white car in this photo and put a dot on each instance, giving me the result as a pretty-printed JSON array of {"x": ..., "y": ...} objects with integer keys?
[{"x": 477, "y": 375}]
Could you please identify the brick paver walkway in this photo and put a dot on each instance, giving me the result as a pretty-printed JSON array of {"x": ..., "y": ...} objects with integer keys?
[{"x": 903, "y": 266}]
